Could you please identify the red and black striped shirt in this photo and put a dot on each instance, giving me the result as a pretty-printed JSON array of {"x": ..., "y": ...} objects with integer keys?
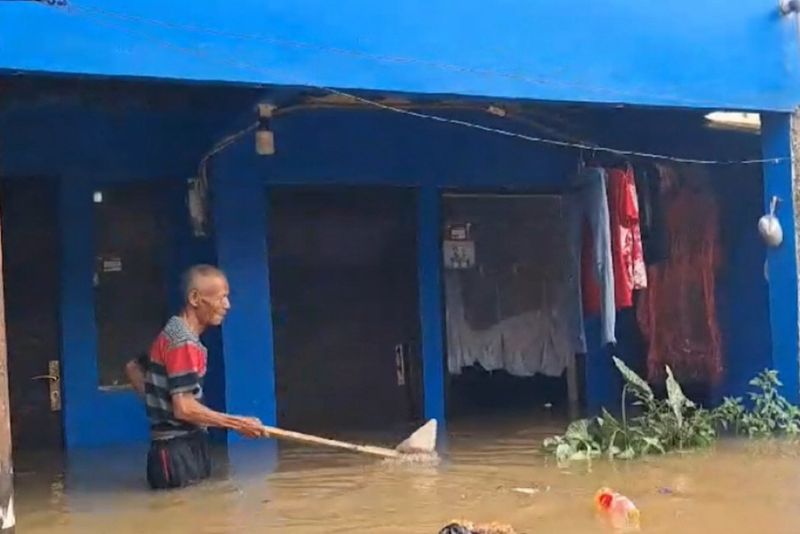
[{"x": 176, "y": 364}]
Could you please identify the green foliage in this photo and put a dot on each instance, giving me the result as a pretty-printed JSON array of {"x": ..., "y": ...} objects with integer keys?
[
  {"x": 771, "y": 414},
  {"x": 675, "y": 423}
]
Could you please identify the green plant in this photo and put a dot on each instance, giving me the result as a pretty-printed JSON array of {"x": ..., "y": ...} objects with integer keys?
[
  {"x": 730, "y": 414},
  {"x": 771, "y": 414},
  {"x": 577, "y": 443},
  {"x": 662, "y": 425},
  {"x": 675, "y": 423}
]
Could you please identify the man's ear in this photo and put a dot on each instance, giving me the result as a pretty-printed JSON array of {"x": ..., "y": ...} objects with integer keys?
[{"x": 193, "y": 298}]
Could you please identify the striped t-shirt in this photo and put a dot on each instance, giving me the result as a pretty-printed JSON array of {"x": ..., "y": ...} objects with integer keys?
[{"x": 177, "y": 364}]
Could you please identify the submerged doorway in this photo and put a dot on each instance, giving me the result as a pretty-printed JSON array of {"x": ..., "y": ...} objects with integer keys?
[
  {"x": 508, "y": 343},
  {"x": 130, "y": 293},
  {"x": 344, "y": 294},
  {"x": 31, "y": 280}
]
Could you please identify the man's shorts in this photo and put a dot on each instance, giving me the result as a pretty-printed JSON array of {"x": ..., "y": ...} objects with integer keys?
[{"x": 178, "y": 462}]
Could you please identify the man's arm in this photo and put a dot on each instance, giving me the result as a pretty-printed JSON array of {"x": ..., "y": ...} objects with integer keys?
[
  {"x": 135, "y": 372},
  {"x": 188, "y": 409}
]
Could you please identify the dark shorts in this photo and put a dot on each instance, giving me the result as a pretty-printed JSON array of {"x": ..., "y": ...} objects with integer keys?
[{"x": 178, "y": 462}]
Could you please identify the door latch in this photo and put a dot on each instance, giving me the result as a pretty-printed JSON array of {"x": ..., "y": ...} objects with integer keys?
[
  {"x": 400, "y": 363},
  {"x": 53, "y": 378}
]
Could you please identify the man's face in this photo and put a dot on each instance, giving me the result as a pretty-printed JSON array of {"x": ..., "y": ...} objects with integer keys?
[{"x": 210, "y": 300}]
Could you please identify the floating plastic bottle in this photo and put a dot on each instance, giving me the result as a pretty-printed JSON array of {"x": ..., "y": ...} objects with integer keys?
[{"x": 617, "y": 509}]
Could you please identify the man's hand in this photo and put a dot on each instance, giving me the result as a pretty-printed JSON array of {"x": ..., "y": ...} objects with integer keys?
[
  {"x": 188, "y": 409},
  {"x": 249, "y": 427},
  {"x": 135, "y": 374}
]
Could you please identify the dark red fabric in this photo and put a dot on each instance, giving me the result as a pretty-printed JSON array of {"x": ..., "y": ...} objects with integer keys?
[
  {"x": 677, "y": 314},
  {"x": 590, "y": 289}
]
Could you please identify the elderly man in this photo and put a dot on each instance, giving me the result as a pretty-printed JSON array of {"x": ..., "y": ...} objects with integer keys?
[{"x": 170, "y": 380}]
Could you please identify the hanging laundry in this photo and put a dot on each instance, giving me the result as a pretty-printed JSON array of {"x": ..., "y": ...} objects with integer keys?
[
  {"x": 630, "y": 272},
  {"x": 651, "y": 213},
  {"x": 587, "y": 214},
  {"x": 510, "y": 312},
  {"x": 677, "y": 314},
  {"x": 531, "y": 343}
]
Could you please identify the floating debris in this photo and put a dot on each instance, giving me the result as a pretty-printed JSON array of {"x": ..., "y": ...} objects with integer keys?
[
  {"x": 467, "y": 527},
  {"x": 419, "y": 458},
  {"x": 618, "y": 509},
  {"x": 530, "y": 491}
]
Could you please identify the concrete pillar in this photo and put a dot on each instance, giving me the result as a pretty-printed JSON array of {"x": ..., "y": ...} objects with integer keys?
[
  {"x": 92, "y": 417},
  {"x": 429, "y": 258},
  {"x": 239, "y": 213},
  {"x": 779, "y": 133},
  {"x": 7, "y": 518},
  {"x": 78, "y": 327}
]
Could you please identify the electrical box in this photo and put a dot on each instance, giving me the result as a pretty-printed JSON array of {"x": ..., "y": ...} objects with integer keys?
[{"x": 458, "y": 248}]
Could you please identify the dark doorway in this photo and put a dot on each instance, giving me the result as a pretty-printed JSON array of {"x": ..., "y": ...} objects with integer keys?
[
  {"x": 30, "y": 271},
  {"x": 130, "y": 292},
  {"x": 506, "y": 353},
  {"x": 344, "y": 293}
]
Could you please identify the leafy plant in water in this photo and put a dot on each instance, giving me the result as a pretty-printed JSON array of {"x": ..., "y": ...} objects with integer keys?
[
  {"x": 675, "y": 423},
  {"x": 662, "y": 425},
  {"x": 577, "y": 443},
  {"x": 771, "y": 414},
  {"x": 730, "y": 414}
]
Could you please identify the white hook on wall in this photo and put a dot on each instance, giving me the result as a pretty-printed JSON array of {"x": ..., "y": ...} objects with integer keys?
[
  {"x": 789, "y": 6},
  {"x": 770, "y": 227}
]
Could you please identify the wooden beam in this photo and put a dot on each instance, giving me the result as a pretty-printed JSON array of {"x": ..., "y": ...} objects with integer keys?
[{"x": 7, "y": 518}]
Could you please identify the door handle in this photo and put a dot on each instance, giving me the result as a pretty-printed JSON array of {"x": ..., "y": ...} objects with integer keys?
[
  {"x": 53, "y": 377},
  {"x": 45, "y": 377}
]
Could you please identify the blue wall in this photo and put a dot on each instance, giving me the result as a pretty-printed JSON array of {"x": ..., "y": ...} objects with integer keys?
[
  {"x": 93, "y": 416},
  {"x": 121, "y": 140},
  {"x": 239, "y": 226},
  {"x": 346, "y": 147},
  {"x": 90, "y": 416},
  {"x": 779, "y": 181},
  {"x": 714, "y": 53},
  {"x": 367, "y": 147},
  {"x": 88, "y": 138},
  {"x": 111, "y": 131}
]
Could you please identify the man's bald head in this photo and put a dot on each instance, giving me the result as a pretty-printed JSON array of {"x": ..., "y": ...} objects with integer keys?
[
  {"x": 194, "y": 278},
  {"x": 205, "y": 291}
]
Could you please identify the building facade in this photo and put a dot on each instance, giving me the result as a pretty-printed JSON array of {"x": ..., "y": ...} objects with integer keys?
[{"x": 381, "y": 111}]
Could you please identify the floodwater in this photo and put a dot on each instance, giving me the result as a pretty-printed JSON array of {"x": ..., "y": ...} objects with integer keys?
[{"x": 737, "y": 487}]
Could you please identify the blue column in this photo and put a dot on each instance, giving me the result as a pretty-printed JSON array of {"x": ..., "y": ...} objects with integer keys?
[
  {"x": 603, "y": 381},
  {"x": 91, "y": 417},
  {"x": 429, "y": 258},
  {"x": 78, "y": 328},
  {"x": 239, "y": 209},
  {"x": 776, "y": 139}
]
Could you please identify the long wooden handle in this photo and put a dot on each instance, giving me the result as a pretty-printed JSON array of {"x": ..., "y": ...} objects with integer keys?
[{"x": 289, "y": 435}]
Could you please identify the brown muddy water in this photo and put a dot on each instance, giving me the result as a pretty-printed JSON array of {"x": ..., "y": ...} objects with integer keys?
[{"x": 738, "y": 487}]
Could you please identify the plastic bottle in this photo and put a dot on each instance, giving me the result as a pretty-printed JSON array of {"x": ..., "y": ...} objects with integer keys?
[{"x": 618, "y": 509}]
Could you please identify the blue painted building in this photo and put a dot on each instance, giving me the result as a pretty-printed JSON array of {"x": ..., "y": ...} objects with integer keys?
[{"x": 333, "y": 243}]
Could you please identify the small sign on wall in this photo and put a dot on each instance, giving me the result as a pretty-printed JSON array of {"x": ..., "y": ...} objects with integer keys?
[
  {"x": 459, "y": 254},
  {"x": 458, "y": 247},
  {"x": 112, "y": 264}
]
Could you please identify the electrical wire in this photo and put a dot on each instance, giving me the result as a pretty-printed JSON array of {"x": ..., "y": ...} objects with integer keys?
[{"x": 219, "y": 147}]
